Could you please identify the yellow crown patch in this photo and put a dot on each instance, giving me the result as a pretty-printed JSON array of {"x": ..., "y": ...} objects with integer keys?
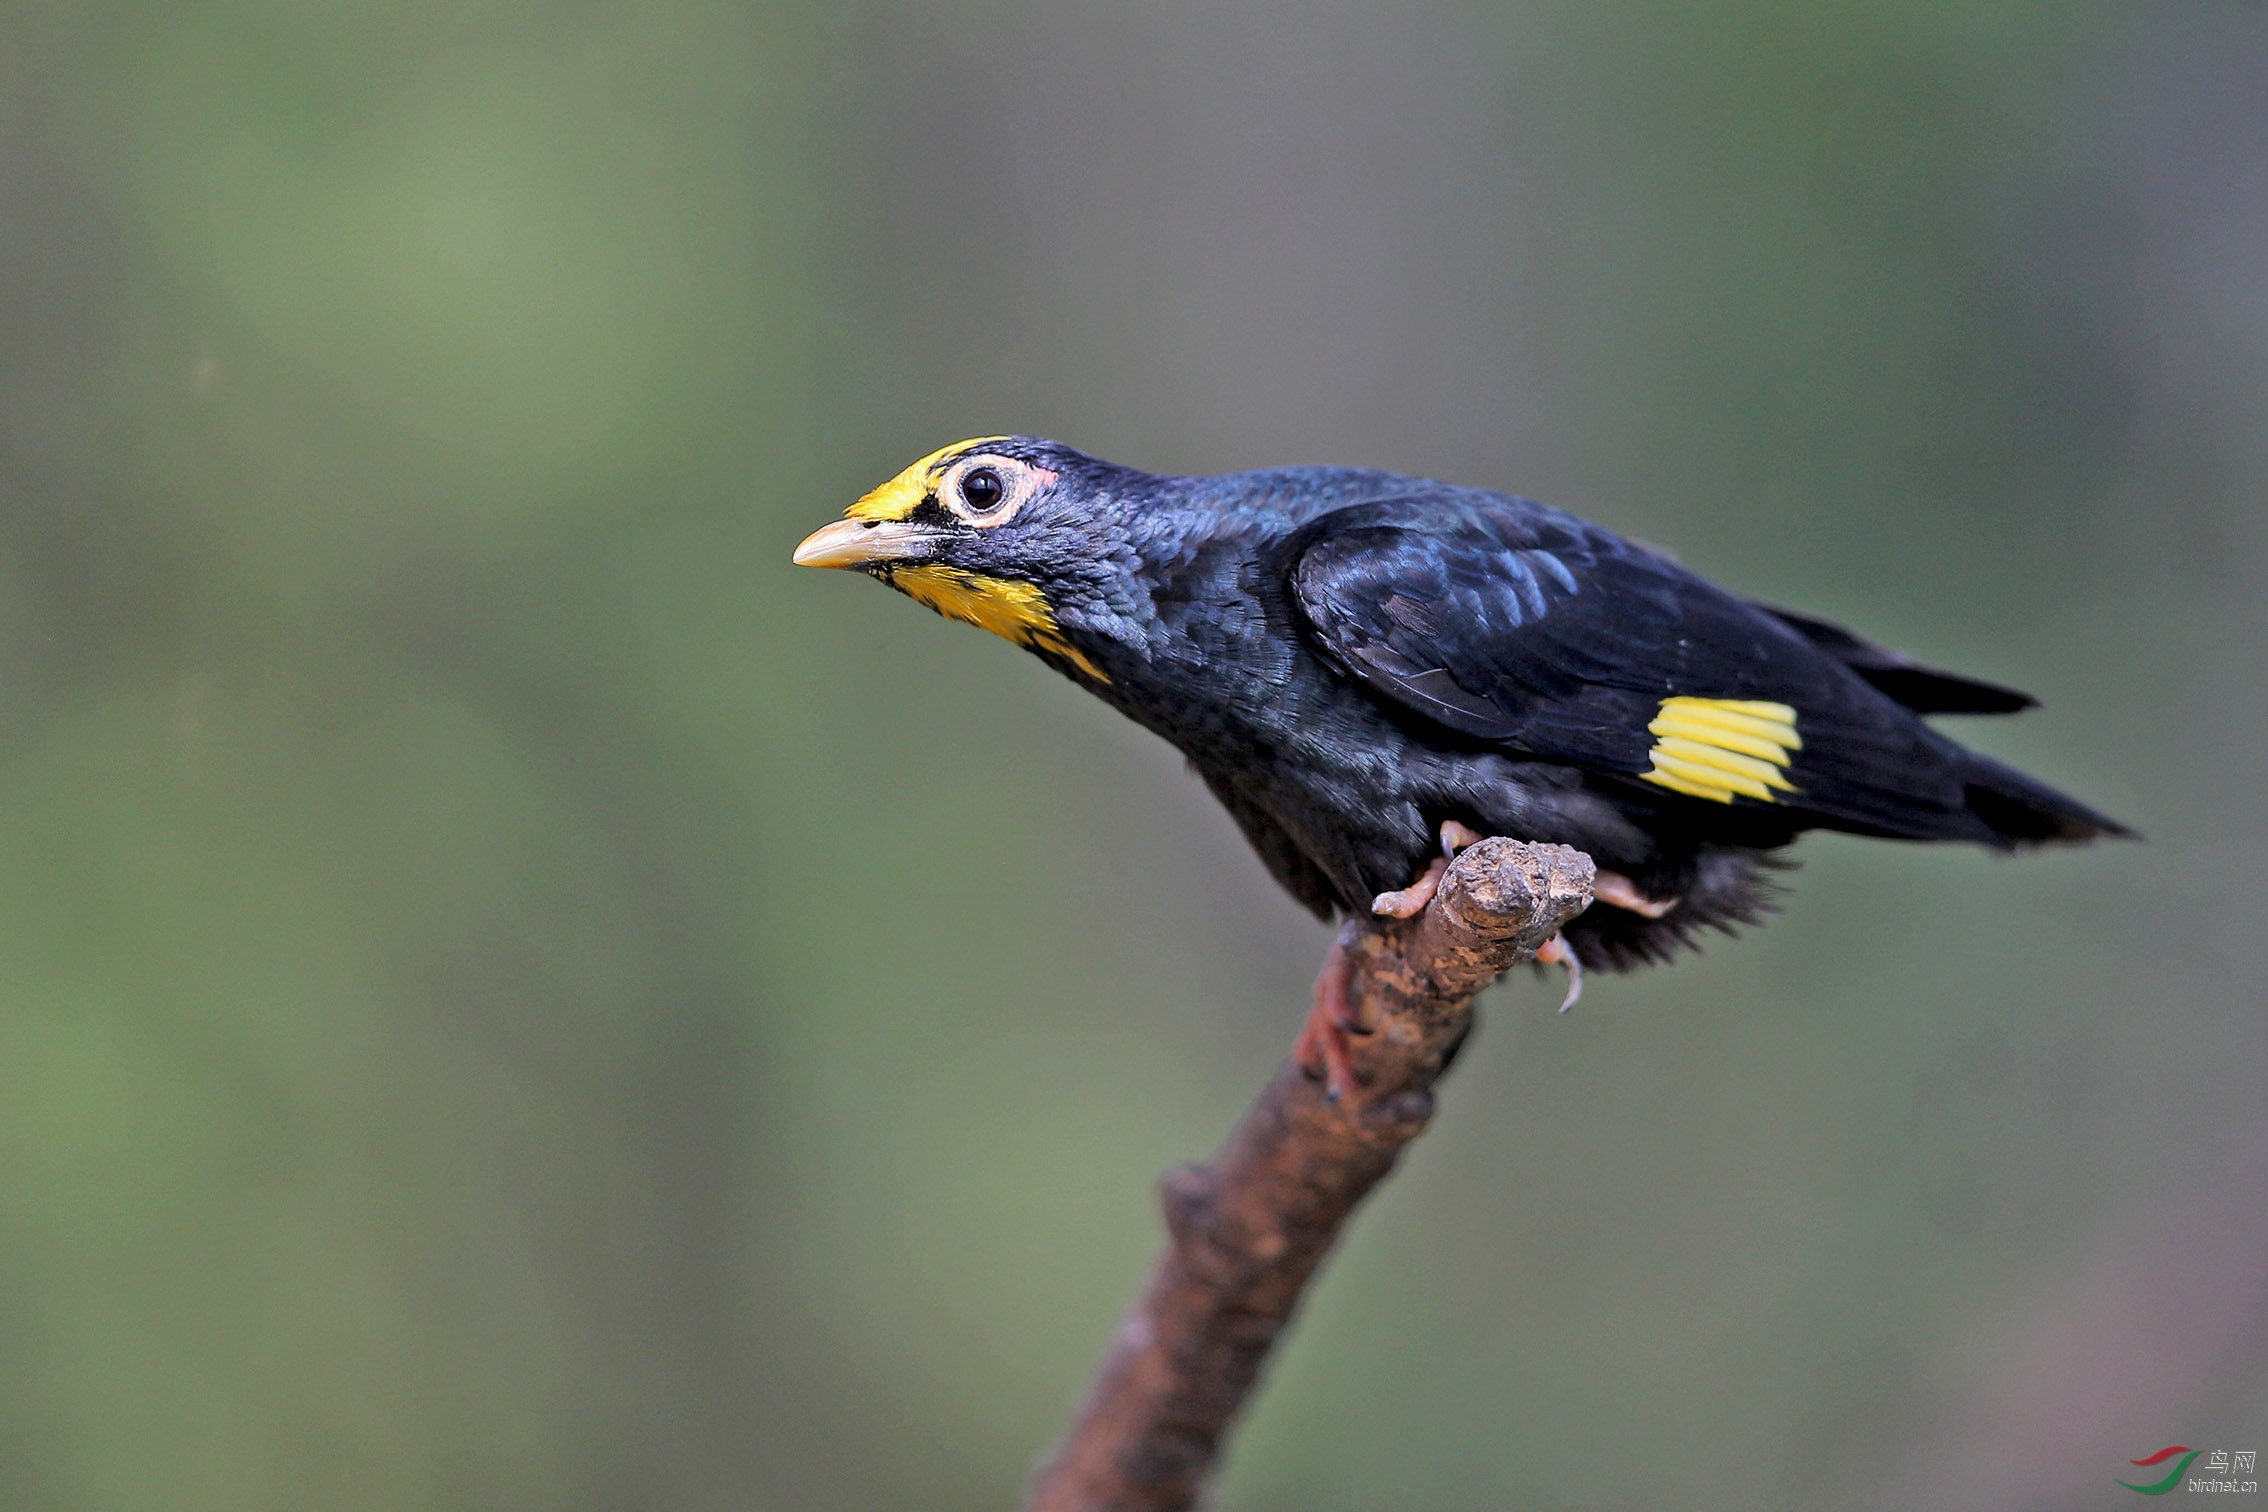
[{"x": 903, "y": 494}]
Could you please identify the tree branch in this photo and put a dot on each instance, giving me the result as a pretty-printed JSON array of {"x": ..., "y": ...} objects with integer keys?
[{"x": 1249, "y": 1229}]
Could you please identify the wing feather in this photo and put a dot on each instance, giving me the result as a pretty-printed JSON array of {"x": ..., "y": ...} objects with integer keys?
[{"x": 1528, "y": 629}]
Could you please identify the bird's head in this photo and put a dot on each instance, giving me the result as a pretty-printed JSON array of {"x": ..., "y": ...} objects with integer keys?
[{"x": 1012, "y": 534}]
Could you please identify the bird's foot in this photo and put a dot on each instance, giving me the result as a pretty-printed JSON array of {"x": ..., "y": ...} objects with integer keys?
[
  {"x": 1408, "y": 902},
  {"x": 1557, "y": 952},
  {"x": 1326, "y": 1036},
  {"x": 1618, "y": 891},
  {"x": 1324, "y": 1047}
]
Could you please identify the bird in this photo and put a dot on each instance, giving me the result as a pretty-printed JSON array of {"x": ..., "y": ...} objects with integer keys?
[{"x": 1372, "y": 671}]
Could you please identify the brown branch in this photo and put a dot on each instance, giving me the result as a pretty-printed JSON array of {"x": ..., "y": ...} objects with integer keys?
[{"x": 1249, "y": 1229}]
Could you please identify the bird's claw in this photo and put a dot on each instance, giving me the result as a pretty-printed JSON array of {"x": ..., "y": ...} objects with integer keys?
[
  {"x": 1557, "y": 952},
  {"x": 1456, "y": 837}
]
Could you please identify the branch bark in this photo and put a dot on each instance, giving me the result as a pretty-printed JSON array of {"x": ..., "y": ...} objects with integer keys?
[{"x": 1248, "y": 1229}]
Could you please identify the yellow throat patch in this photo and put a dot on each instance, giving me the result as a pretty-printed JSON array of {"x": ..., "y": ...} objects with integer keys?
[
  {"x": 902, "y": 495},
  {"x": 1723, "y": 748},
  {"x": 1014, "y": 611}
]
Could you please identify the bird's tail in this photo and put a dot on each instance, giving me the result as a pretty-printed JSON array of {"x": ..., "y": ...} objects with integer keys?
[{"x": 2021, "y": 811}]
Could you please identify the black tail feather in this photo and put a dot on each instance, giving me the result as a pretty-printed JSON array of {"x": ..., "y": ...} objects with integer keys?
[{"x": 2021, "y": 811}]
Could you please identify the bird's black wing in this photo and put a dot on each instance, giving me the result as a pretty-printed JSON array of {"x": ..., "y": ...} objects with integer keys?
[{"x": 1528, "y": 629}]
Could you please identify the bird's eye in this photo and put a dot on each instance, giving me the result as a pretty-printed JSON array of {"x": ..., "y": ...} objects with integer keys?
[
  {"x": 983, "y": 490},
  {"x": 988, "y": 491}
]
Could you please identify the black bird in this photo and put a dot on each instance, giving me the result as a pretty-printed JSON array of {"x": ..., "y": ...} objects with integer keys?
[{"x": 1370, "y": 670}]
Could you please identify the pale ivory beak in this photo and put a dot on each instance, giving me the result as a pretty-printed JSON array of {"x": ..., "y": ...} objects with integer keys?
[{"x": 854, "y": 543}]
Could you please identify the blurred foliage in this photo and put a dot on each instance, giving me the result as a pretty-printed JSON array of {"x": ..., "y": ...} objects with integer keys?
[{"x": 512, "y": 996}]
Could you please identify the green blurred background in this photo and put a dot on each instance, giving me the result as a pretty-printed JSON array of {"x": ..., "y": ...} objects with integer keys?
[{"x": 513, "y": 997}]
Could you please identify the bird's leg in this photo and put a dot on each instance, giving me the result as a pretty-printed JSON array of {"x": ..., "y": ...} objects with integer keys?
[
  {"x": 1408, "y": 902},
  {"x": 1323, "y": 1047},
  {"x": 1557, "y": 952},
  {"x": 1619, "y": 891}
]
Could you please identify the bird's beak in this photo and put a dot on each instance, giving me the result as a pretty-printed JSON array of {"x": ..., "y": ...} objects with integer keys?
[{"x": 855, "y": 543}]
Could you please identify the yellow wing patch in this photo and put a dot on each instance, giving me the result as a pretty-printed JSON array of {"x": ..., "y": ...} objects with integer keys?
[
  {"x": 1723, "y": 748},
  {"x": 1009, "y": 609},
  {"x": 903, "y": 494}
]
